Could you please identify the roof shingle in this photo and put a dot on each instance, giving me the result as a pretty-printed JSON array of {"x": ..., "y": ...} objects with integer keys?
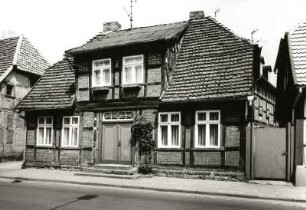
[
  {"x": 212, "y": 63},
  {"x": 27, "y": 57},
  {"x": 297, "y": 40},
  {"x": 55, "y": 89},
  {"x": 132, "y": 36}
]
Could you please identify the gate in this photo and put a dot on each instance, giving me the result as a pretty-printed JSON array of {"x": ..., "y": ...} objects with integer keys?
[{"x": 270, "y": 153}]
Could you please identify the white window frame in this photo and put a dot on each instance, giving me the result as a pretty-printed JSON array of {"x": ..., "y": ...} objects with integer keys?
[
  {"x": 133, "y": 70},
  {"x": 44, "y": 126},
  {"x": 101, "y": 69},
  {"x": 207, "y": 122},
  {"x": 168, "y": 124},
  {"x": 114, "y": 119},
  {"x": 70, "y": 126}
]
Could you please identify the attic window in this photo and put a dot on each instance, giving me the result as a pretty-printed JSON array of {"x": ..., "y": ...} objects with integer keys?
[{"x": 10, "y": 90}]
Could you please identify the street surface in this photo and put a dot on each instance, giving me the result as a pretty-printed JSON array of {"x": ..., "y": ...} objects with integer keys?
[{"x": 41, "y": 195}]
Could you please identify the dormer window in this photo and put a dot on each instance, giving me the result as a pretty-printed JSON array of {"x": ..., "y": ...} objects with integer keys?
[
  {"x": 132, "y": 72},
  {"x": 9, "y": 90},
  {"x": 101, "y": 72}
]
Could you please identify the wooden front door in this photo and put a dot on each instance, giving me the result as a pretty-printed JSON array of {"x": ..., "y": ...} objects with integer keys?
[{"x": 116, "y": 143}]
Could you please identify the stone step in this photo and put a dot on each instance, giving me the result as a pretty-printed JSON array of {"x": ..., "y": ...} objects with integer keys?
[
  {"x": 113, "y": 166},
  {"x": 116, "y": 176},
  {"x": 127, "y": 171}
]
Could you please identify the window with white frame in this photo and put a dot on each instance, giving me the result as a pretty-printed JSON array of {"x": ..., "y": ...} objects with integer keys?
[
  {"x": 132, "y": 72},
  {"x": 44, "y": 131},
  {"x": 169, "y": 130},
  {"x": 101, "y": 72},
  {"x": 70, "y": 131},
  {"x": 207, "y": 129}
]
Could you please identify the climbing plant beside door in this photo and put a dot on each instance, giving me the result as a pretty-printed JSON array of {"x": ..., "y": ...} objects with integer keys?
[{"x": 142, "y": 139}]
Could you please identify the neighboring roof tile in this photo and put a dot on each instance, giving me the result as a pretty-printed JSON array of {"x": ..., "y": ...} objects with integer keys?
[
  {"x": 213, "y": 63},
  {"x": 30, "y": 60},
  {"x": 132, "y": 36},
  {"x": 7, "y": 52},
  {"x": 297, "y": 40},
  {"x": 55, "y": 89},
  {"x": 21, "y": 51}
]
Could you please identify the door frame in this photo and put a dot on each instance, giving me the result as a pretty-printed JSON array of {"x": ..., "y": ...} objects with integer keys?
[{"x": 100, "y": 142}]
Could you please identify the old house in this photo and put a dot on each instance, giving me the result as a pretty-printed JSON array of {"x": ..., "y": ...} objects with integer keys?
[
  {"x": 290, "y": 110},
  {"x": 21, "y": 65},
  {"x": 196, "y": 81}
]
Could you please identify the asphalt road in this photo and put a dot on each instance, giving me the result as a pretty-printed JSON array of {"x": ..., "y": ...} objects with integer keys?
[{"x": 41, "y": 195}]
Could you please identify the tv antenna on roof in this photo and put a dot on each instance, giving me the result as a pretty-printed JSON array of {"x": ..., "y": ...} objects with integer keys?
[
  {"x": 218, "y": 10},
  {"x": 130, "y": 14},
  {"x": 252, "y": 34}
]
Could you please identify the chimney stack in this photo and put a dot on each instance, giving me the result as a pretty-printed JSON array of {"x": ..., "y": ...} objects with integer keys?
[
  {"x": 111, "y": 26},
  {"x": 196, "y": 15}
]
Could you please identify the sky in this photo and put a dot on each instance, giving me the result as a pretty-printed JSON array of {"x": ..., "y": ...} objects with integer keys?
[{"x": 54, "y": 26}]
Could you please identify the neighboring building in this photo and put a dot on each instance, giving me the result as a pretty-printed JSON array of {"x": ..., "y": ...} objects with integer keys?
[
  {"x": 21, "y": 65},
  {"x": 191, "y": 79},
  {"x": 291, "y": 82}
]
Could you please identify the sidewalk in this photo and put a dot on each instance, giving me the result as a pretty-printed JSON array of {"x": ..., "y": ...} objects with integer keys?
[{"x": 12, "y": 170}]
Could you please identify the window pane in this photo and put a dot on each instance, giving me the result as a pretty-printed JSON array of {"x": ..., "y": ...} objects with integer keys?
[
  {"x": 175, "y": 135},
  {"x": 97, "y": 77},
  {"x": 40, "y": 135},
  {"x": 132, "y": 60},
  {"x": 175, "y": 118},
  {"x": 213, "y": 135},
  {"x": 75, "y": 121},
  {"x": 201, "y": 135},
  {"x": 48, "y": 136},
  {"x": 202, "y": 116},
  {"x": 164, "y": 135},
  {"x": 213, "y": 116},
  {"x": 75, "y": 136},
  {"x": 106, "y": 76},
  {"x": 164, "y": 118},
  {"x": 128, "y": 74},
  {"x": 66, "y": 120},
  {"x": 66, "y": 137},
  {"x": 49, "y": 120},
  {"x": 41, "y": 120},
  {"x": 139, "y": 73}
]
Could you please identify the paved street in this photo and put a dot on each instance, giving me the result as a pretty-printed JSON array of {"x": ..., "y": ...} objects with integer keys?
[{"x": 41, "y": 195}]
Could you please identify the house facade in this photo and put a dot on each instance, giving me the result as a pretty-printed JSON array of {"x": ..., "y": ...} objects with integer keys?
[
  {"x": 194, "y": 80},
  {"x": 21, "y": 65},
  {"x": 290, "y": 110}
]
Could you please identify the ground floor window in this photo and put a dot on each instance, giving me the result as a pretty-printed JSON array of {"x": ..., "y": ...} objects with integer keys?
[
  {"x": 207, "y": 129},
  {"x": 70, "y": 132},
  {"x": 44, "y": 131},
  {"x": 169, "y": 127}
]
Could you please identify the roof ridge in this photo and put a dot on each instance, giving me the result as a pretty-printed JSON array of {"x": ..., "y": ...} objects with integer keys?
[
  {"x": 229, "y": 30},
  {"x": 12, "y": 37},
  {"x": 17, "y": 50}
]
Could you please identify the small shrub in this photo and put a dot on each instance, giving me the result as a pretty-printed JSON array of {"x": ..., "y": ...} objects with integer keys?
[{"x": 145, "y": 169}]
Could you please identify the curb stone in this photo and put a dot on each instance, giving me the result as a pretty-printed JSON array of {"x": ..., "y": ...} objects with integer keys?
[{"x": 160, "y": 189}]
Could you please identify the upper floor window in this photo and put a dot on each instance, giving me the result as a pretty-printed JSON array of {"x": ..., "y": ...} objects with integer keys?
[
  {"x": 101, "y": 72},
  {"x": 207, "y": 129},
  {"x": 169, "y": 126},
  {"x": 132, "y": 72},
  {"x": 44, "y": 131},
  {"x": 70, "y": 132}
]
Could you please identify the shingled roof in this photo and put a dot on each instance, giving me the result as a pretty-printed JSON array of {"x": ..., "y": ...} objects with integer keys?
[
  {"x": 213, "y": 63},
  {"x": 19, "y": 52},
  {"x": 54, "y": 90},
  {"x": 297, "y": 42},
  {"x": 131, "y": 36}
]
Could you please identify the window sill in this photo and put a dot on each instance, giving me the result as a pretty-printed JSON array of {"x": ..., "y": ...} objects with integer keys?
[
  {"x": 45, "y": 146},
  {"x": 169, "y": 149},
  {"x": 9, "y": 96},
  {"x": 199, "y": 149},
  {"x": 69, "y": 148},
  {"x": 132, "y": 86},
  {"x": 102, "y": 89}
]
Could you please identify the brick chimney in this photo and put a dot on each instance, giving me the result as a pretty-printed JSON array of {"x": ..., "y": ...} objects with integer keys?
[
  {"x": 111, "y": 26},
  {"x": 195, "y": 15}
]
